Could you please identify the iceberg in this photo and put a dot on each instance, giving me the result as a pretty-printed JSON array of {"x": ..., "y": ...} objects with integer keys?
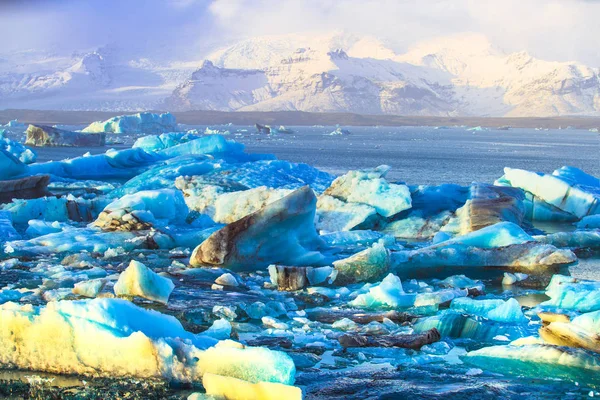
[
  {"x": 136, "y": 123},
  {"x": 501, "y": 245},
  {"x": 24, "y": 154},
  {"x": 335, "y": 215},
  {"x": 139, "y": 280},
  {"x": 282, "y": 232},
  {"x": 581, "y": 331},
  {"x": 570, "y": 293},
  {"x": 89, "y": 288},
  {"x": 575, "y": 240},
  {"x": 237, "y": 389},
  {"x": 370, "y": 187},
  {"x": 113, "y": 337},
  {"x": 10, "y": 166},
  {"x": 567, "y": 189},
  {"x": 165, "y": 140},
  {"x": 538, "y": 360},
  {"x": 367, "y": 265},
  {"x": 143, "y": 210},
  {"x": 228, "y": 207},
  {"x": 42, "y": 136},
  {"x": 7, "y": 231},
  {"x": 589, "y": 222},
  {"x": 488, "y": 205},
  {"x": 498, "y": 310}
]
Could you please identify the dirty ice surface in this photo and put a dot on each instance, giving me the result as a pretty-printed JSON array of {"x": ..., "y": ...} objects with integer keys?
[{"x": 220, "y": 262}]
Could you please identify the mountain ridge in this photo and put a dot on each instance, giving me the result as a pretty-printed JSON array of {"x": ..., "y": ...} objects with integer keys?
[{"x": 461, "y": 75}]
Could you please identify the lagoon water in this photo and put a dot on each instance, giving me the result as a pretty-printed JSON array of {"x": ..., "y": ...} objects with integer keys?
[{"x": 417, "y": 155}]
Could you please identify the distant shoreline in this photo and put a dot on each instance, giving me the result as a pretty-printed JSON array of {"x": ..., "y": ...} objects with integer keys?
[{"x": 51, "y": 117}]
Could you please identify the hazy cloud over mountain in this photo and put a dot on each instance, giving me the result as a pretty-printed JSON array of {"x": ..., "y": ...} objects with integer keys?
[{"x": 556, "y": 30}]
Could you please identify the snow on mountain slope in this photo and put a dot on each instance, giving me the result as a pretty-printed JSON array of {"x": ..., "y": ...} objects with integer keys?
[
  {"x": 95, "y": 80},
  {"x": 458, "y": 75},
  {"x": 450, "y": 76},
  {"x": 319, "y": 81}
]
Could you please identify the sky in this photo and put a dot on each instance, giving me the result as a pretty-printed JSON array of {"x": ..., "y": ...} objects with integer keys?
[{"x": 561, "y": 30}]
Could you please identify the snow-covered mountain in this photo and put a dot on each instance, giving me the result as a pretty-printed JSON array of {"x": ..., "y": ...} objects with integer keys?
[
  {"x": 94, "y": 80},
  {"x": 458, "y": 75}
]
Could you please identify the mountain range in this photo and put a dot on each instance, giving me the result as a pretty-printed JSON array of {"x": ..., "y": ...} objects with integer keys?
[{"x": 460, "y": 75}]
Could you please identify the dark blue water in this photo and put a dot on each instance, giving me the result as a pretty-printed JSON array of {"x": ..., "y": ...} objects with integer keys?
[{"x": 417, "y": 155}]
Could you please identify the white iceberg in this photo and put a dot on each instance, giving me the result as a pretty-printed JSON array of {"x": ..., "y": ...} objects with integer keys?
[
  {"x": 139, "y": 280},
  {"x": 370, "y": 187},
  {"x": 115, "y": 338},
  {"x": 137, "y": 123}
]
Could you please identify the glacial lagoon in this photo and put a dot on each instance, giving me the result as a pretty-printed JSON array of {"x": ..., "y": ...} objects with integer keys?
[{"x": 418, "y": 280}]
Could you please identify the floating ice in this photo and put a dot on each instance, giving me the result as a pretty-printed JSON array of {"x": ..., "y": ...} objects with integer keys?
[
  {"x": 89, "y": 288},
  {"x": 7, "y": 231},
  {"x": 237, "y": 389},
  {"x": 493, "y": 309},
  {"x": 589, "y": 222},
  {"x": 10, "y": 166},
  {"x": 139, "y": 280},
  {"x": 367, "y": 265},
  {"x": 573, "y": 294},
  {"x": 24, "y": 154},
  {"x": 282, "y": 232},
  {"x": 576, "y": 239},
  {"x": 370, "y": 187},
  {"x": 43, "y": 136},
  {"x": 137, "y": 123},
  {"x": 537, "y": 360},
  {"x": 113, "y": 337},
  {"x": 335, "y": 215},
  {"x": 568, "y": 189},
  {"x": 142, "y": 210},
  {"x": 502, "y": 244}
]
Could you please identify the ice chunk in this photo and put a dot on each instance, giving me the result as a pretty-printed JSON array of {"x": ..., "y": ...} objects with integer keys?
[
  {"x": 7, "y": 231},
  {"x": 388, "y": 293},
  {"x": 367, "y": 265},
  {"x": 10, "y": 166},
  {"x": 589, "y": 222},
  {"x": 227, "y": 279},
  {"x": 454, "y": 324},
  {"x": 139, "y": 280},
  {"x": 220, "y": 329},
  {"x": 417, "y": 226},
  {"x": 334, "y": 215},
  {"x": 537, "y": 360},
  {"x": 577, "y": 239},
  {"x": 581, "y": 332},
  {"x": 502, "y": 244},
  {"x": 143, "y": 210},
  {"x": 137, "y": 123},
  {"x": 237, "y": 389},
  {"x": 122, "y": 164},
  {"x": 42, "y": 136},
  {"x": 115, "y": 338},
  {"x": 370, "y": 187},
  {"x": 89, "y": 288},
  {"x": 488, "y": 205},
  {"x": 573, "y": 294},
  {"x": 493, "y": 309},
  {"x": 24, "y": 154},
  {"x": 163, "y": 141},
  {"x": 510, "y": 279},
  {"x": 229, "y": 207},
  {"x": 566, "y": 190},
  {"x": 282, "y": 232}
]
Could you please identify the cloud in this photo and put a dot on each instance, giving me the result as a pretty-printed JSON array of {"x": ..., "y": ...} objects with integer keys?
[
  {"x": 552, "y": 29},
  {"x": 549, "y": 29}
]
